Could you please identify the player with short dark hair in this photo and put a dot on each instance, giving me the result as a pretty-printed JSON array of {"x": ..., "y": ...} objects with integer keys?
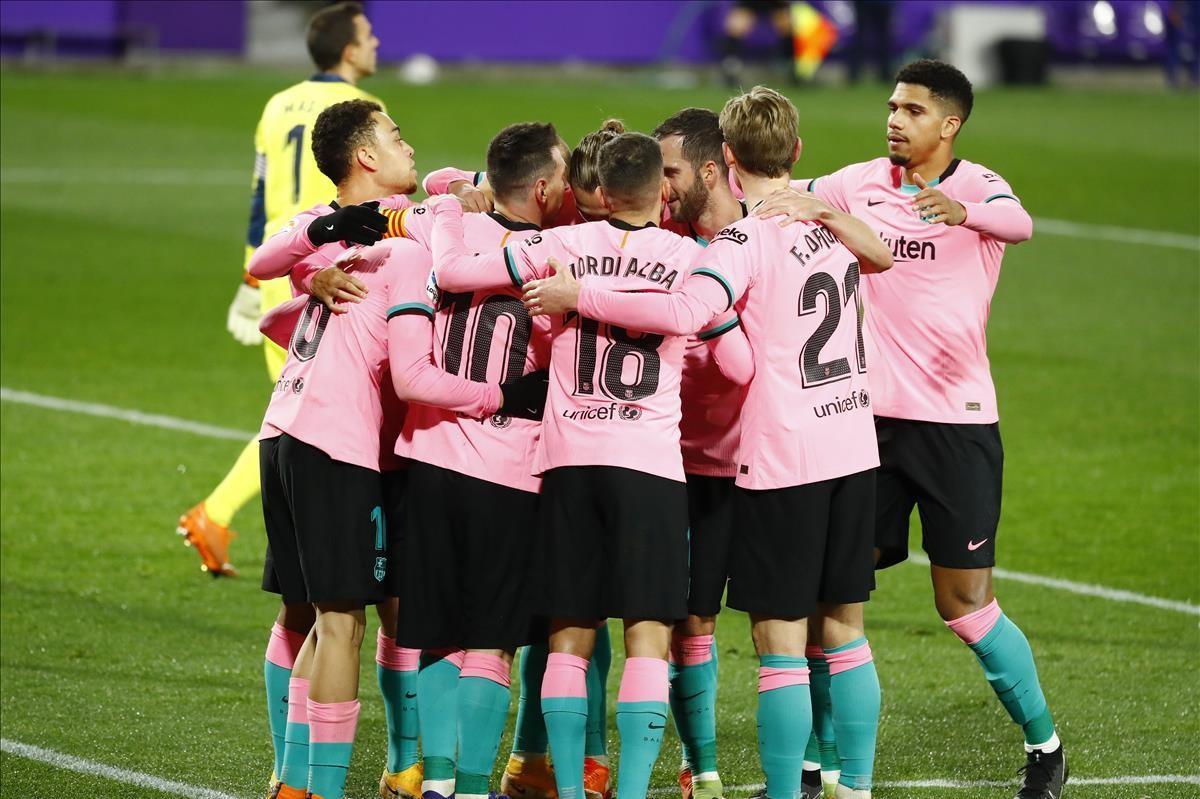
[
  {"x": 613, "y": 507},
  {"x": 807, "y": 449},
  {"x": 333, "y": 30},
  {"x": 947, "y": 221}
]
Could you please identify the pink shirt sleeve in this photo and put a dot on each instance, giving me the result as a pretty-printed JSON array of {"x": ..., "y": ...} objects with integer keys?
[
  {"x": 458, "y": 269},
  {"x": 730, "y": 348},
  {"x": 397, "y": 202},
  {"x": 993, "y": 209},
  {"x": 439, "y": 180},
  {"x": 278, "y": 254},
  {"x": 680, "y": 313},
  {"x": 279, "y": 323},
  {"x": 830, "y": 189},
  {"x": 410, "y": 351}
]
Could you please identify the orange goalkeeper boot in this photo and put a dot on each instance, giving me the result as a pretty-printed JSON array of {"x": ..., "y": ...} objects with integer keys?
[{"x": 209, "y": 539}]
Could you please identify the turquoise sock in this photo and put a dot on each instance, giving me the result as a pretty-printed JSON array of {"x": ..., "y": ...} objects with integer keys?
[
  {"x": 693, "y": 704},
  {"x": 331, "y": 732},
  {"x": 854, "y": 694},
  {"x": 399, "y": 690},
  {"x": 276, "y": 679},
  {"x": 822, "y": 711},
  {"x": 812, "y": 751},
  {"x": 1008, "y": 665},
  {"x": 596, "y": 740},
  {"x": 294, "y": 772},
  {"x": 530, "y": 733},
  {"x": 640, "y": 725},
  {"x": 566, "y": 724},
  {"x": 482, "y": 712},
  {"x": 437, "y": 702},
  {"x": 327, "y": 767},
  {"x": 784, "y": 725}
]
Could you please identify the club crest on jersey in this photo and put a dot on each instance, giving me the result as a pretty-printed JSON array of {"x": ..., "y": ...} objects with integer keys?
[
  {"x": 380, "y": 569},
  {"x": 731, "y": 234}
]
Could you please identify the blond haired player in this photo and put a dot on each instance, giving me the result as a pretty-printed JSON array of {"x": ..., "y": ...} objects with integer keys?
[{"x": 286, "y": 181}]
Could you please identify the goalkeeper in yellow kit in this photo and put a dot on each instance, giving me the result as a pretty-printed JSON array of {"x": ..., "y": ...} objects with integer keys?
[{"x": 286, "y": 181}]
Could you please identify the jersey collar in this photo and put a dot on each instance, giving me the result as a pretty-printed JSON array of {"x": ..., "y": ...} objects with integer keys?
[
  {"x": 620, "y": 224},
  {"x": 504, "y": 221},
  {"x": 911, "y": 188},
  {"x": 327, "y": 77}
]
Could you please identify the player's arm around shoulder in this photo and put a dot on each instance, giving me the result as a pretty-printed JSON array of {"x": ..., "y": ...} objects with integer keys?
[{"x": 283, "y": 250}]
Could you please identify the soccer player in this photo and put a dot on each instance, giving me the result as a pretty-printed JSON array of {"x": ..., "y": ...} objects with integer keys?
[
  {"x": 469, "y": 538},
  {"x": 613, "y": 511},
  {"x": 286, "y": 181},
  {"x": 807, "y": 451},
  {"x": 947, "y": 221}
]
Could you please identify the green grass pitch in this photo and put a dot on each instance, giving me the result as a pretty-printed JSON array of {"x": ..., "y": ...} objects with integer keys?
[{"x": 123, "y": 209}]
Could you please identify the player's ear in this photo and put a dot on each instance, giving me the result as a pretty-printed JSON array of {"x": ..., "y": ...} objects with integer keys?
[
  {"x": 365, "y": 157},
  {"x": 950, "y": 126},
  {"x": 796, "y": 150},
  {"x": 605, "y": 200},
  {"x": 664, "y": 190},
  {"x": 730, "y": 159},
  {"x": 710, "y": 173},
  {"x": 541, "y": 191}
]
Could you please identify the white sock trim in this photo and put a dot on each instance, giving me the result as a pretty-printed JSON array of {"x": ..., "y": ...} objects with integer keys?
[
  {"x": 1047, "y": 747},
  {"x": 707, "y": 776},
  {"x": 444, "y": 787},
  {"x": 811, "y": 766}
]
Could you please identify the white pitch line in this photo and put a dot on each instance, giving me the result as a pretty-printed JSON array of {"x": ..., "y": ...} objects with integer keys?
[
  {"x": 83, "y": 766},
  {"x": 1125, "y": 235},
  {"x": 167, "y": 176},
  {"x": 133, "y": 417},
  {"x": 200, "y": 429},
  {"x": 1084, "y": 589}
]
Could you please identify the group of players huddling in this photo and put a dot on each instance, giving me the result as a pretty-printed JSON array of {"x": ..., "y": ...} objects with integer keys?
[{"x": 636, "y": 376}]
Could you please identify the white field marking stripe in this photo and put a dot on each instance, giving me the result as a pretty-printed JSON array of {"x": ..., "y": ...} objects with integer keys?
[
  {"x": 133, "y": 417},
  {"x": 1125, "y": 235},
  {"x": 186, "y": 426},
  {"x": 81, "y": 766},
  {"x": 1086, "y": 589},
  {"x": 126, "y": 177},
  {"x": 1136, "y": 779}
]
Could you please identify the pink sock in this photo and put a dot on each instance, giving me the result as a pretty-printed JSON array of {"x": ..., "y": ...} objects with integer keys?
[
  {"x": 487, "y": 666},
  {"x": 691, "y": 650},
  {"x": 395, "y": 658},
  {"x": 644, "y": 680},
  {"x": 848, "y": 658},
  {"x": 771, "y": 677},
  {"x": 283, "y": 646},
  {"x": 333, "y": 723},
  {"x": 566, "y": 676},
  {"x": 974, "y": 626},
  {"x": 297, "y": 701}
]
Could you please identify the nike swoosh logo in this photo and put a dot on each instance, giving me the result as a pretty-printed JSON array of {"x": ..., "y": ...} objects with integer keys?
[
  {"x": 872, "y": 204},
  {"x": 329, "y": 227},
  {"x": 693, "y": 696},
  {"x": 657, "y": 726},
  {"x": 410, "y": 696},
  {"x": 972, "y": 546}
]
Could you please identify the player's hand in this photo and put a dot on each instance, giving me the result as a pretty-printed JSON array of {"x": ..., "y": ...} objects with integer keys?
[
  {"x": 558, "y": 293},
  {"x": 793, "y": 205},
  {"x": 933, "y": 206},
  {"x": 332, "y": 285},
  {"x": 474, "y": 201},
  {"x": 244, "y": 312},
  {"x": 525, "y": 397},
  {"x": 357, "y": 224}
]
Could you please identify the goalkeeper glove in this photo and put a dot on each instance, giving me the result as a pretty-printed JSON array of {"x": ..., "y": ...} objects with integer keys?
[
  {"x": 356, "y": 224},
  {"x": 244, "y": 312},
  {"x": 525, "y": 397}
]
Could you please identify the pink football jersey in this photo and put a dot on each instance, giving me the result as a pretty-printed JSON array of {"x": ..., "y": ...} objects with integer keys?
[
  {"x": 614, "y": 392},
  {"x": 712, "y": 403},
  {"x": 806, "y": 416},
  {"x": 329, "y": 394},
  {"x": 483, "y": 336},
  {"x": 926, "y": 317}
]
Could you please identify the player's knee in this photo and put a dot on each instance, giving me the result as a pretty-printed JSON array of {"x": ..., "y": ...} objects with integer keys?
[
  {"x": 695, "y": 625},
  {"x": 962, "y": 597},
  {"x": 346, "y": 627}
]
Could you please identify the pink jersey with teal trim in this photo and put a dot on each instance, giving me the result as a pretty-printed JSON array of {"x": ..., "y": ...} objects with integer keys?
[
  {"x": 484, "y": 336},
  {"x": 329, "y": 395},
  {"x": 614, "y": 393},
  {"x": 712, "y": 404},
  {"x": 927, "y": 316}
]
